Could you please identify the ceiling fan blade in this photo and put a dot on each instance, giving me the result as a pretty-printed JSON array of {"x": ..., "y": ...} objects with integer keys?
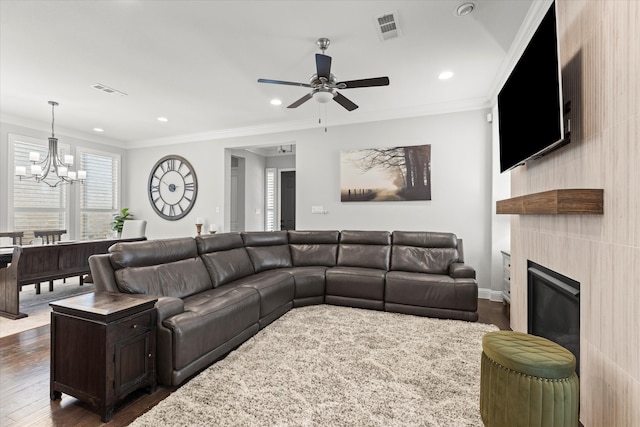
[
  {"x": 300, "y": 101},
  {"x": 346, "y": 103},
  {"x": 323, "y": 65},
  {"x": 376, "y": 81},
  {"x": 280, "y": 82}
]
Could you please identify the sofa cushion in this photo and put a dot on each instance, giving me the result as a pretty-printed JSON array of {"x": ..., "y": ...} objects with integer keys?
[
  {"x": 365, "y": 237},
  {"x": 309, "y": 281},
  {"x": 423, "y": 252},
  {"x": 424, "y": 239},
  {"x": 265, "y": 238},
  {"x": 227, "y": 266},
  {"x": 210, "y": 319},
  {"x": 151, "y": 252},
  {"x": 356, "y": 282},
  {"x": 218, "y": 242},
  {"x": 267, "y": 250},
  {"x": 366, "y": 249},
  {"x": 172, "y": 279},
  {"x": 276, "y": 288},
  {"x": 314, "y": 236},
  {"x": 431, "y": 290},
  {"x": 313, "y": 248},
  {"x": 225, "y": 257}
]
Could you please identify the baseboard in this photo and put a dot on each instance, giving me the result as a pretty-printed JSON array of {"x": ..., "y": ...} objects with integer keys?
[{"x": 490, "y": 294}]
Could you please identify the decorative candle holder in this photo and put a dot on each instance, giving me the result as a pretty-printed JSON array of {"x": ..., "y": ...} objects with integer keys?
[{"x": 199, "y": 222}]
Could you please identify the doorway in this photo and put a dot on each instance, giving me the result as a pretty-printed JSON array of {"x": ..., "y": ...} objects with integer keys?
[{"x": 288, "y": 200}]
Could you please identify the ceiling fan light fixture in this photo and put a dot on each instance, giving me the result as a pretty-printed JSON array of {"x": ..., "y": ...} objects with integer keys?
[
  {"x": 323, "y": 96},
  {"x": 276, "y": 102}
]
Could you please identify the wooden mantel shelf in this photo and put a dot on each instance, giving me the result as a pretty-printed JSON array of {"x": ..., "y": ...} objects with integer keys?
[{"x": 579, "y": 201}]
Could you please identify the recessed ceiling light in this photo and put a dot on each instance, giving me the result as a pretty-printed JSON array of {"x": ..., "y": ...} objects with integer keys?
[
  {"x": 98, "y": 130},
  {"x": 163, "y": 119},
  {"x": 445, "y": 75},
  {"x": 465, "y": 9},
  {"x": 276, "y": 102}
]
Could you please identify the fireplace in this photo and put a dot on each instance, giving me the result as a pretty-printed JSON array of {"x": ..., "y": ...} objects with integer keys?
[{"x": 554, "y": 308}]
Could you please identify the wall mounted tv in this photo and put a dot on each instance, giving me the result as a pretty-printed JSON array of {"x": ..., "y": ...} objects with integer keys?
[{"x": 530, "y": 107}]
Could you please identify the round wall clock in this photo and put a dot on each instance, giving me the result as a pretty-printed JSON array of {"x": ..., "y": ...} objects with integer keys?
[{"x": 172, "y": 187}]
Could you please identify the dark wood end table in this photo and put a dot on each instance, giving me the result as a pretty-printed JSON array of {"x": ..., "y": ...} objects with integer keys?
[{"x": 103, "y": 347}]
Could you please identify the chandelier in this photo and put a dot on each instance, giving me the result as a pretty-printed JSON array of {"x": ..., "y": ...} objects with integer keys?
[{"x": 52, "y": 163}]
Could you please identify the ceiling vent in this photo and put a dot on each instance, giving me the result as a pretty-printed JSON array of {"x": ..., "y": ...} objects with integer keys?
[
  {"x": 107, "y": 89},
  {"x": 387, "y": 25}
]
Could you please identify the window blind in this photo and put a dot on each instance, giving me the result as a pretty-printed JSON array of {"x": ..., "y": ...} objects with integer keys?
[
  {"x": 270, "y": 199},
  {"x": 99, "y": 196}
]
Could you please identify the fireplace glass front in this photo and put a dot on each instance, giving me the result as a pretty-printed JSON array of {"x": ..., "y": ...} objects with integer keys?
[{"x": 554, "y": 308}]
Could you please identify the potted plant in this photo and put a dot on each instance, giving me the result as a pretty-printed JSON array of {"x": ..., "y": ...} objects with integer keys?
[{"x": 119, "y": 219}]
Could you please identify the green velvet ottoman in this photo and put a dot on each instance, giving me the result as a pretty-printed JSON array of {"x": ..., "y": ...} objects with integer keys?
[{"x": 527, "y": 381}]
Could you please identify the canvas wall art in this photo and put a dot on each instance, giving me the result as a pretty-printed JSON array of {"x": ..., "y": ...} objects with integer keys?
[{"x": 386, "y": 174}]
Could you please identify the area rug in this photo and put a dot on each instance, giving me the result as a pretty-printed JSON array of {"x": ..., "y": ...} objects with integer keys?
[{"x": 337, "y": 366}]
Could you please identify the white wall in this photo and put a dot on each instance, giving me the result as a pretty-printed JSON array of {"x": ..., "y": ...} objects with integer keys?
[
  {"x": 500, "y": 224},
  {"x": 461, "y": 150},
  {"x": 254, "y": 197}
]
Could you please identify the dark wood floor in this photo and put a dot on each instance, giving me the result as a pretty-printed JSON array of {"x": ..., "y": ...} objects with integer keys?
[{"x": 24, "y": 382}]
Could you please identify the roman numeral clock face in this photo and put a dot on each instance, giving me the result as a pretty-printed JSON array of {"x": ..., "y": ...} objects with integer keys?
[{"x": 172, "y": 187}]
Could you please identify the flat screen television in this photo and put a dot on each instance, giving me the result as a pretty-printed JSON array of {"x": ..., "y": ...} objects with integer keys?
[{"x": 530, "y": 106}]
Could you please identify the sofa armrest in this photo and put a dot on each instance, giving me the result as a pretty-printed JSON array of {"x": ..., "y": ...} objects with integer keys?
[
  {"x": 458, "y": 270},
  {"x": 168, "y": 307}
]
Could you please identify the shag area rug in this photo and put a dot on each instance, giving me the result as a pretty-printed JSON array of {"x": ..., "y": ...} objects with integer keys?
[{"x": 337, "y": 366}]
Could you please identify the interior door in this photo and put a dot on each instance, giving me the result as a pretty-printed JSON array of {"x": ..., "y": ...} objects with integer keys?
[{"x": 288, "y": 200}]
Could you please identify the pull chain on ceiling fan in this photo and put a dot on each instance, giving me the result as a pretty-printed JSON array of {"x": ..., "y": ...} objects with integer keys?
[{"x": 323, "y": 84}]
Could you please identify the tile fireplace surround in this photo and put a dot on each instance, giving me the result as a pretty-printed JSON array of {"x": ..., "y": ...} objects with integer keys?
[{"x": 600, "y": 65}]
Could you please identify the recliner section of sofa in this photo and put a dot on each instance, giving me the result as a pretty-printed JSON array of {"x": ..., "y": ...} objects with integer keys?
[
  {"x": 428, "y": 278},
  {"x": 216, "y": 291},
  {"x": 359, "y": 276}
]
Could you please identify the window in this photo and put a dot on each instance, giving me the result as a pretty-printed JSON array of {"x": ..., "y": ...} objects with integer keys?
[
  {"x": 99, "y": 196},
  {"x": 84, "y": 210},
  {"x": 270, "y": 199}
]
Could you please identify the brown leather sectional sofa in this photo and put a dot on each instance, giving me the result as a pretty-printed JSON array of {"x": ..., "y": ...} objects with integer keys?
[{"x": 217, "y": 291}]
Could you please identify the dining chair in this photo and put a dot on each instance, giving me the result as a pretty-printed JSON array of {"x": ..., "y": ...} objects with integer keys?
[
  {"x": 133, "y": 228},
  {"x": 16, "y": 236},
  {"x": 49, "y": 236}
]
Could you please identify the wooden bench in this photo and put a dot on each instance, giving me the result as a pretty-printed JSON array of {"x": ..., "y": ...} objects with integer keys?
[{"x": 35, "y": 264}]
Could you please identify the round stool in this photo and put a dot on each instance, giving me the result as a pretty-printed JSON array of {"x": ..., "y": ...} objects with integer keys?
[{"x": 527, "y": 381}]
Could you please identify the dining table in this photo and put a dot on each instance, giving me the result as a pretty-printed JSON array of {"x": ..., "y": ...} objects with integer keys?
[
  {"x": 6, "y": 254},
  {"x": 32, "y": 264}
]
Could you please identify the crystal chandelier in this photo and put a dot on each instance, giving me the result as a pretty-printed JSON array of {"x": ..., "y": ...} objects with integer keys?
[{"x": 51, "y": 163}]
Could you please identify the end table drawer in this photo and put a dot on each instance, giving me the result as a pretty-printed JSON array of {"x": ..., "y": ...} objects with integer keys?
[{"x": 136, "y": 326}]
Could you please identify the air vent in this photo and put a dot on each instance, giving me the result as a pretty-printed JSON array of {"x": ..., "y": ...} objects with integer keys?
[
  {"x": 107, "y": 89},
  {"x": 387, "y": 25}
]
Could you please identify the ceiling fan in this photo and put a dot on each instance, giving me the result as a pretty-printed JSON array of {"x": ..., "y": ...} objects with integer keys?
[{"x": 323, "y": 84}]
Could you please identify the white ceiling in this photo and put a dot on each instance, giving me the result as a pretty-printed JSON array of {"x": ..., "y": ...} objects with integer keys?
[{"x": 197, "y": 63}]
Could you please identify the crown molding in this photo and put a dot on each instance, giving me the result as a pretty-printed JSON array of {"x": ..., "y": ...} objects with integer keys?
[
  {"x": 351, "y": 119},
  {"x": 45, "y": 127}
]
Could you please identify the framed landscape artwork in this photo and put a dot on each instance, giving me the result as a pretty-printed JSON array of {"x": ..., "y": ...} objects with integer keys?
[{"x": 386, "y": 174}]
